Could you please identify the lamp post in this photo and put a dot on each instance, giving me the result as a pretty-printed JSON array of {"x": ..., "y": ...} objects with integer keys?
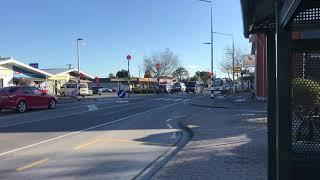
[
  {"x": 212, "y": 78},
  {"x": 227, "y": 34},
  {"x": 78, "y": 57}
]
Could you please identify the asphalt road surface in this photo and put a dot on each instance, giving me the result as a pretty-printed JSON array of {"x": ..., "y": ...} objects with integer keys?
[{"x": 101, "y": 139}]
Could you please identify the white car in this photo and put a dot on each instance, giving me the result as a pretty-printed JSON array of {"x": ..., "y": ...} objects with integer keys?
[{"x": 70, "y": 89}]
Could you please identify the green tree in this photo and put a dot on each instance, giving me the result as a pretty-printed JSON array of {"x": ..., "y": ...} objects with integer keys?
[
  {"x": 111, "y": 75},
  {"x": 181, "y": 74},
  {"x": 195, "y": 78},
  {"x": 122, "y": 74},
  {"x": 203, "y": 75}
]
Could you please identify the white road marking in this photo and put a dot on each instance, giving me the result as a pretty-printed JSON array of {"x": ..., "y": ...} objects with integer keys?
[
  {"x": 168, "y": 99},
  {"x": 87, "y": 129},
  {"x": 92, "y": 107},
  {"x": 169, "y": 120},
  {"x": 122, "y": 101},
  {"x": 187, "y": 100},
  {"x": 158, "y": 99},
  {"x": 169, "y": 126},
  {"x": 177, "y": 100},
  {"x": 182, "y": 116},
  {"x": 53, "y": 117}
]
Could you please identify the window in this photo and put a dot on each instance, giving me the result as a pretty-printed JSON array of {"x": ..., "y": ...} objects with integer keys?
[
  {"x": 83, "y": 86},
  {"x": 36, "y": 91},
  {"x": 8, "y": 90},
  {"x": 26, "y": 90}
]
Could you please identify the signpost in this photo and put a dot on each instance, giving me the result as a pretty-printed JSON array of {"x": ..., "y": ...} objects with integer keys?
[
  {"x": 121, "y": 93},
  {"x": 129, "y": 58}
]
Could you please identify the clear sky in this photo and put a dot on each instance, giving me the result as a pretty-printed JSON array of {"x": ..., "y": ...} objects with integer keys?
[{"x": 45, "y": 31}]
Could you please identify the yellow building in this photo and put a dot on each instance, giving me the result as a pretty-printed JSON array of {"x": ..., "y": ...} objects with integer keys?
[{"x": 14, "y": 73}]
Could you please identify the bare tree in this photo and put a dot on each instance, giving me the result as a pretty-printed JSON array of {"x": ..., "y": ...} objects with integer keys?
[
  {"x": 226, "y": 65},
  {"x": 166, "y": 60}
]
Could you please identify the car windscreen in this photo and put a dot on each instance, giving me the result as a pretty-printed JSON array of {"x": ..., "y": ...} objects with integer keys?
[
  {"x": 83, "y": 86},
  {"x": 8, "y": 90},
  {"x": 191, "y": 84}
]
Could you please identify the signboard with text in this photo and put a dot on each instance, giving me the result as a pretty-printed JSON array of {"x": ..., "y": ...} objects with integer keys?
[
  {"x": 249, "y": 61},
  {"x": 35, "y": 65}
]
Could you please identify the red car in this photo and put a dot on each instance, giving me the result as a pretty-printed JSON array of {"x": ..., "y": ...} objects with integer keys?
[{"x": 23, "y": 98}]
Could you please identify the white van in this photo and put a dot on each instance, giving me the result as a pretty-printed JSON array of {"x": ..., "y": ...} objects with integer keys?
[{"x": 70, "y": 89}]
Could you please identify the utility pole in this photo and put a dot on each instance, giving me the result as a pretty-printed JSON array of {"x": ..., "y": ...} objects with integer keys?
[
  {"x": 211, "y": 23},
  {"x": 78, "y": 57}
]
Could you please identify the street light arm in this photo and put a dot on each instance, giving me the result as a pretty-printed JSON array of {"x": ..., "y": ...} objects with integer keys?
[{"x": 206, "y": 1}]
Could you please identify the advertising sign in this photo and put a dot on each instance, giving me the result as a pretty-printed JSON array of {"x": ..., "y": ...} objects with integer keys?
[{"x": 249, "y": 61}]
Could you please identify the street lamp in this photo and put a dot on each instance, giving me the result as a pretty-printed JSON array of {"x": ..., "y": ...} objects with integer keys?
[
  {"x": 212, "y": 78},
  {"x": 78, "y": 57},
  {"x": 227, "y": 34}
]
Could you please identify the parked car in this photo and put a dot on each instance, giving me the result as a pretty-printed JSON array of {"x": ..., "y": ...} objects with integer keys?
[
  {"x": 178, "y": 87},
  {"x": 22, "y": 98},
  {"x": 160, "y": 88},
  {"x": 194, "y": 87},
  {"x": 97, "y": 90},
  {"x": 70, "y": 89},
  {"x": 108, "y": 90}
]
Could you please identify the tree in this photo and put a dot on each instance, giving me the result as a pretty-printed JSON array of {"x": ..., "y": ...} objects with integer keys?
[
  {"x": 148, "y": 74},
  {"x": 181, "y": 74},
  {"x": 226, "y": 65},
  {"x": 195, "y": 78},
  {"x": 167, "y": 61},
  {"x": 203, "y": 75},
  {"x": 111, "y": 75},
  {"x": 122, "y": 74}
]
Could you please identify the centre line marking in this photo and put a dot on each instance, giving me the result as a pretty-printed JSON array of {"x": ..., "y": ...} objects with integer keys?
[
  {"x": 32, "y": 164},
  {"x": 87, "y": 144},
  {"x": 87, "y": 129}
]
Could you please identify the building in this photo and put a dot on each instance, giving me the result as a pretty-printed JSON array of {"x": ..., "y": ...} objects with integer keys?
[
  {"x": 14, "y": 73},
  {"x": 60, "y": 76}
]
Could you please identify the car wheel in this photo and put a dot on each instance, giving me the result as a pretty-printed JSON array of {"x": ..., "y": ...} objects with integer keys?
[
  {"x": 22, "y": 107},
  {"x": 63, "y": 94},
  {"x": 52, "y": 104}
]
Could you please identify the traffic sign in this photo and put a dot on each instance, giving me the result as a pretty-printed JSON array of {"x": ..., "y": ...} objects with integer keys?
[
  {"x": 129, "y": 57},
  {"x": 158, "y": 66},
  {"x": 121, "y": 94}
]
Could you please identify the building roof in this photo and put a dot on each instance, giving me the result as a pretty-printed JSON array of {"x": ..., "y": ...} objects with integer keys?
[
  {"x": 23, "y": 67},
  {"x": 60, "y": 71},
  {"x": 56, "y": 71},
  {"x": 259, "y": 15}
]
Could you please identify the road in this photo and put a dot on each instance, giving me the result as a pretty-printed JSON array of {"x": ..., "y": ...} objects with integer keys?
[{"x": 100, "y": 139}]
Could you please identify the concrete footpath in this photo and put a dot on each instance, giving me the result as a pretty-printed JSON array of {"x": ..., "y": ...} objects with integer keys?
[{"x": 229, "y": 142}]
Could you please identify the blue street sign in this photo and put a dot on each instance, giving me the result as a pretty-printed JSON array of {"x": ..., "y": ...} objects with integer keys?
[{"x": 122, "y": 94}]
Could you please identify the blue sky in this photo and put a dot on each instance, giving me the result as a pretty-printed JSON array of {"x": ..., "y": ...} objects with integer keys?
[{"x": 45, "y": 31}]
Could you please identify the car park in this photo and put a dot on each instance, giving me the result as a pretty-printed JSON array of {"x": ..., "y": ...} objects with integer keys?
[
  {"x": 160, "y": 88},
  {"x": 178, "y": 87},
  {"x": 22, "y": 98},
  {"x": 194, "y": 87},
  {"x": 97, "y": 90}
]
